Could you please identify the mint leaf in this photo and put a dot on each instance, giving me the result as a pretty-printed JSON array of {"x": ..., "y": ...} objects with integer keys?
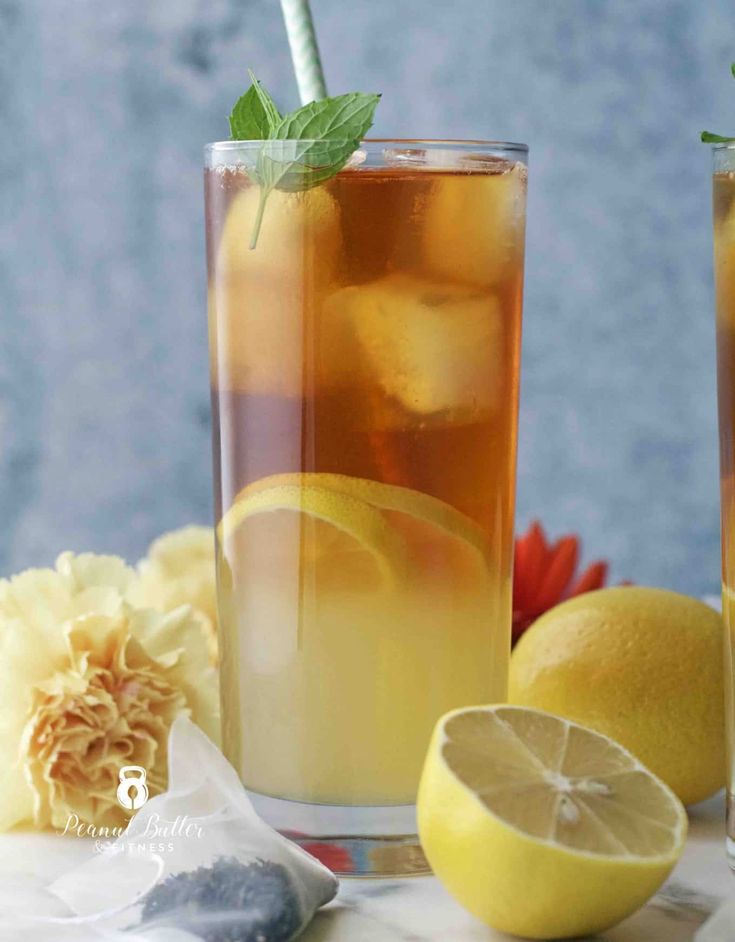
[
  {"x": 254, "y": 115},
  {"x": 343, "y": 118},
  {"x": 248, "y": 121},
  {"x": 303, "y": 148},
  {"x": 707, "y": 137},
  {"x": 268, "y": 105},
  {"x": 328, "y": 132}
]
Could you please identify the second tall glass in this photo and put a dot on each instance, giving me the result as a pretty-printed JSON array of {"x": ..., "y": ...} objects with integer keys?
[
  {"x": 724, "y": 256},
  {"x": 365, "y": 371}
]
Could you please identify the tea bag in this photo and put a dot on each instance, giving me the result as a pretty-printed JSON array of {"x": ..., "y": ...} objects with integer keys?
[{"x": 196, "y": 864}]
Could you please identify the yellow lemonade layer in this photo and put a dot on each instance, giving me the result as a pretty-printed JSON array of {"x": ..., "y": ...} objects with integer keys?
[{"x": 337, "y": 701}]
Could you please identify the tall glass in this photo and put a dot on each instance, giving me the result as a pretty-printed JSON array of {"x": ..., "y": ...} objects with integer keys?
[
  {"x": 724, "y": 243},
  {"x": 365, "y": 370}
]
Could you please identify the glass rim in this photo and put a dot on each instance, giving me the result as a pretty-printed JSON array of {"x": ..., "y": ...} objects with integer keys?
[
  {"x": 511, "y": 147},
  {"x": 723, "y": 157}
]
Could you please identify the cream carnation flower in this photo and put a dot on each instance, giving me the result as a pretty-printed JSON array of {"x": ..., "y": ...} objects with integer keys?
[
  {"x": 89, "y": 683},
  {"x": 179, "y": 570}
]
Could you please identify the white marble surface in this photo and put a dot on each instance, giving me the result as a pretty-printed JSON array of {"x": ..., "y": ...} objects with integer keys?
[{"x": 419, "y": 910}]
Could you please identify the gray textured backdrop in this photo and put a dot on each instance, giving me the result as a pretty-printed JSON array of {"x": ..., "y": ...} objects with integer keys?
[{"x": 104, "y": 437}]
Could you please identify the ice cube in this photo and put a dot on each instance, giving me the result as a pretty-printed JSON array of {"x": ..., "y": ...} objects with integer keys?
[
  {"x": 433, "y": 347},
  {"x": 724, "y": 231},
  {"x": 356, "y": 158},
  {"x": 418, "y": 158},
  {"x": 299, "y": 233},
  {"x": 474, "y": 225},
  {"x": 261, "y": 300},
  {"x": 441, "y": 158}
]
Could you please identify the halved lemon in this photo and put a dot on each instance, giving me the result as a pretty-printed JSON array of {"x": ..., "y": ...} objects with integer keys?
[{"x": 541, "y": 827}]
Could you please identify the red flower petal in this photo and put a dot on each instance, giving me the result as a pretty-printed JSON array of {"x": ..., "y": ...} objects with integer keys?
[
  {"x": 531, "y": 554},
  {"x": 544, "y": 575},
  {"x": 592, "y": 578},
  {"x": 559, "y": 572}
]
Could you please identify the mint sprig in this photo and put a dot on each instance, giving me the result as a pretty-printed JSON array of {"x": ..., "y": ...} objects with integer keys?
[
  {"x": 301, "y": 149},
  {"x": 707, "y": 137}
]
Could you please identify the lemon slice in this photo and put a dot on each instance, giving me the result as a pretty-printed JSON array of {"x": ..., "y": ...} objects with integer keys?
[
  {"x": 404, "y": 530},
  {"x": 350, "y": 525},
  {"x": 541, "y": 827}
]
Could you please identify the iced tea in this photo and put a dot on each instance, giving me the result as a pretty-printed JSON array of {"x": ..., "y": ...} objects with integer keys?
[{"x": 365, "y": 372}]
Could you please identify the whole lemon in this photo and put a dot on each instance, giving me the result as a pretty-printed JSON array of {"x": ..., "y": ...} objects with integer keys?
[{"x": 643, "y": 666}]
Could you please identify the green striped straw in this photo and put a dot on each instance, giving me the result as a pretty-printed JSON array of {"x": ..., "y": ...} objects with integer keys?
[{"x": 304, "y": 50}]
